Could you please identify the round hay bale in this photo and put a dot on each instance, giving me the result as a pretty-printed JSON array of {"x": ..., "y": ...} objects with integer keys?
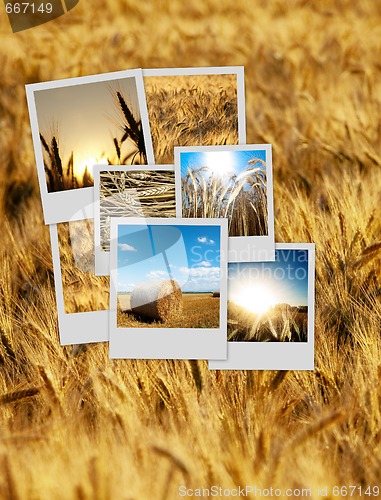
[
  {"x": 162, "y": 300},
  {"x": 216, "y": 293}
]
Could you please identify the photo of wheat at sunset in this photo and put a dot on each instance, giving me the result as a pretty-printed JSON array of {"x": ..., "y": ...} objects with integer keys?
[
  {"x": 88, "y": 124},
  {"x": 168, "y": 276},
  {"x": 268, "y": 302}
]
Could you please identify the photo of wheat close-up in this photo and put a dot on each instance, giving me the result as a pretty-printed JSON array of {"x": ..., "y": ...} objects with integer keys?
[
  {"x": 76, "y": 424},
  {"x": 226, "y": 183},
  {"x": 190, "y": 110},
  {"x": 165, "y": 280},
  {"x": 134, "y": 193},
  {"x": 88, "y": 124},
  {"x": 268, "y": 302},
  {"x": 82, "y": 290}
]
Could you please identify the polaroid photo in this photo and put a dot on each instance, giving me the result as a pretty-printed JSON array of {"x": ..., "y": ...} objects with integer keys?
[
  {"x": 82, "y": 298},
  {"x": 271, "y": 312},
  {"x": 79, "y": 122},
  {"x": 234, "y": 182},
  {"x": 124, "y": 191},
  {"x": 195, "y": 107},
  {"x": 168, "y": 288}
]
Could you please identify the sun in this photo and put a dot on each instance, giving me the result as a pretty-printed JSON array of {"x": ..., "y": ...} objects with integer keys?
[
  {"x": 220, "y": 163},
  {"x": 89, "y": 162},
  {"x": 255, "y": 298}
]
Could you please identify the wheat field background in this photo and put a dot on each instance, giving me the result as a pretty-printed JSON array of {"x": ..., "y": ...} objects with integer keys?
[{"x": 74, "y": 424}]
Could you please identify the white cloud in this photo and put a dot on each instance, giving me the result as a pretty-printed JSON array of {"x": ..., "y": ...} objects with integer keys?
[
  {"x": 157, "y": 274},
  {"x": 201, "y": 272},
  {"x": 126, "y": 248},
  {"x": 126, "y": 285},
  {"x": 205, "y": 240},
  {"x": 204, "y": 263}
]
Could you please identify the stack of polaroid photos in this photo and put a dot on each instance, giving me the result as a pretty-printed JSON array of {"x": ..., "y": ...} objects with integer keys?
[{"x": 162, "y": 222}]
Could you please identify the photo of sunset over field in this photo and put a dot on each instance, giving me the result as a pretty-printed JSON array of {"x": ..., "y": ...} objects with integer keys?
[
  {"x": 268, "y": 302},
  {"x": 88, "y": 124}
]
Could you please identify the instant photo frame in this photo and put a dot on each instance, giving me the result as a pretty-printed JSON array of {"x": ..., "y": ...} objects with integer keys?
[
  {"x": 62, "y": 205},
  {"x": 218, "y": 70},
  {"x": 241, "y": 248},
  {"x": 78, "y": 327},
  {"x": 161, "y": 342},
  {"x": 276, "y": 355}
]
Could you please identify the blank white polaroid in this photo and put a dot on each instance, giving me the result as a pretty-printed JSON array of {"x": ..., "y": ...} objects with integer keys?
[
  {"x": 79, "y": 122},
  {"x": 234, "y": 182},
  {"x": 125, "y": 191},
  {"x": 195, "y": 106},
  {"x": 82, "y": 298},
  {"x": 168, "y": 288},
  {"x": 271, "y": 312}
]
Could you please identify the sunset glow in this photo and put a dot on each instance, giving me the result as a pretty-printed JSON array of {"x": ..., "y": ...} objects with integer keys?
[{"x": 88, "y": 162}]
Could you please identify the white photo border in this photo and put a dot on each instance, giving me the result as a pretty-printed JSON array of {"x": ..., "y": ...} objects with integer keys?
[
  {"x": 102, "y": 258},
  {"x": 168, "y": 343},
  {"x": 239, "y": 71},
  {"x": 241, "y": 248},
  {"x": 61, "y": 206},
  {"x": 277, "y": 355}
]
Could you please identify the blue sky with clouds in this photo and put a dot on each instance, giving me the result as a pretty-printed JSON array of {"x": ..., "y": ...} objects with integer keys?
[
  {"x": 221, "y": 163},
  {"x": 286, "y": 278},
  {"x": 187, "y": 253}
]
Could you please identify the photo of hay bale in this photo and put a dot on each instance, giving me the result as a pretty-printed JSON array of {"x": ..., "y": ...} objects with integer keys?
[
  {"x": 231, "y": 184},
  {"x": 134, "y": 193},
  {"x": 190, "y": 110},
  {"x": 160, "y": 300},
  {"x": 163, "y": 281}
]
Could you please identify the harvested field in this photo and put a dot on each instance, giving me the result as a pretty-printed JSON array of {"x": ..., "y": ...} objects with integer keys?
[{"x": 200, "y": 310}]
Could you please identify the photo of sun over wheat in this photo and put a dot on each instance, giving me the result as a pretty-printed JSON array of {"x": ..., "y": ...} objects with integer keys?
[
  {"x": 140, "y": 193},
  {"x": 75, "y": 425},
  {"x": 82, "y": 290},
  {"x": 268, "y": 301},
  {"x": 84, "y": 125},
  {"x": 230, "y": 184},
  {"x": 191, "y": 110},
  {"x": 168, "y": 276}
]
